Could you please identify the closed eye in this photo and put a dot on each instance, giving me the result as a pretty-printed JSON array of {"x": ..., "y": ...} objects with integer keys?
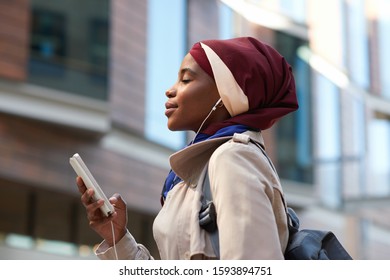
[{"x": 186, "y": 75}]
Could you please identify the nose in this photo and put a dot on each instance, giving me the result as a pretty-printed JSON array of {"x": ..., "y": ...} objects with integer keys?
[{"x": 170, "y": 93}]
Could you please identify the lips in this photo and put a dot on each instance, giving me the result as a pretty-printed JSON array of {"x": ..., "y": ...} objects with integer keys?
[{"x": 170, "y": 108}]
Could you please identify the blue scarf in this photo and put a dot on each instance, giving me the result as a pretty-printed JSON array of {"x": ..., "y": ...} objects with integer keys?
[{"x": 172, "y": 179}]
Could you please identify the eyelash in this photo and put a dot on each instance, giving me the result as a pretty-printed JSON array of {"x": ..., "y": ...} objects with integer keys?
[{"x": 185, "y": 81}]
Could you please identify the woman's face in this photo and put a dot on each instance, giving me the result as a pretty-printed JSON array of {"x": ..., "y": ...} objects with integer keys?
[{"x": 191, "y": 98}]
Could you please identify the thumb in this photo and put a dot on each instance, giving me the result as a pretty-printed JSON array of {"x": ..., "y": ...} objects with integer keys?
[{"x": 118, "y": 201}]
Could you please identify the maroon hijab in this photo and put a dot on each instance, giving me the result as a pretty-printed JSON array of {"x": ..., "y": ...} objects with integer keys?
[{"x": 261, "y": 73}]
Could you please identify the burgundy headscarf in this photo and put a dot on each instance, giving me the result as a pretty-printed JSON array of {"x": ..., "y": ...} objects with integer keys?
[{"x": 255, "y": 82}]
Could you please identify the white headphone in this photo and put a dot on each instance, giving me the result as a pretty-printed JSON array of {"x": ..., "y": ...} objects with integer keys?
[
  {"x": 212, "y": 110},
  {"x": 216, "y": 104}
]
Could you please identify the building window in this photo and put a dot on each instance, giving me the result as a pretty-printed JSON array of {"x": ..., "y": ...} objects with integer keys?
[
  {"x": 69, "y": 47},
  {"x": 295, "y": 10},
  {"x": 294, "y": 131},
  {"x": 47, "y": 46},
  {"x": 357, "y": 44},
  {"x": 383, "y": 42},
  {"x": 379, "y": 158},
  {"x": 328, "y": 141},
  {"x": 165, "y": 51}
]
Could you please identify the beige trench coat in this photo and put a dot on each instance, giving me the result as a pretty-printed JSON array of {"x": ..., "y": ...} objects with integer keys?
[{"x": 248, "y": 197}]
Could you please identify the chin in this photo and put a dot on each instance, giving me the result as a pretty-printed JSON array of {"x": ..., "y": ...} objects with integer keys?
[{"x": 172, "y": 127}]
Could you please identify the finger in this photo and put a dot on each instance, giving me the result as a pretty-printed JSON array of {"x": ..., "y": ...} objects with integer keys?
[
  {"x": 80, "y": 184},
  {"x": 118, "y": 201},
  {"x": 113, "y": 200},
  {"x": 93, "y": 210},
  {"x": 96, "y": 217},
  {"x": 98, "y": 220},
  {"x": 87, "y": 197}
]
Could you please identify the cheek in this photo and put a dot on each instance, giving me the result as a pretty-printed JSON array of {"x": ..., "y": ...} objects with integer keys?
[
  {"x": 199, "y": 97},
  {"x": 195, "y": 102},
  {"x": 191, "y": 113},
  {"x": 188, "y": 116},
  {"x": 196, "y": 107}
]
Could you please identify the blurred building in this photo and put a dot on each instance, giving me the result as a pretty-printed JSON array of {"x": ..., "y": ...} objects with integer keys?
[{"x": 90, "y": 77}]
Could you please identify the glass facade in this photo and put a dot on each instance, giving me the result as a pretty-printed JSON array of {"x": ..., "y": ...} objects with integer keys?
[
  {"x": 295, "y": 10},
  {"x": 356, "y": 44},
  {"x": 294, "y": 132},
  {"x": 69, "y": 47},
  {"x": 383, "y": 44},
  {"x": 377, "y": 16},
  {"x": 328, "y": 140},
  {"x": 163, "y": 62},
  {"x": 379, "y": 160}
]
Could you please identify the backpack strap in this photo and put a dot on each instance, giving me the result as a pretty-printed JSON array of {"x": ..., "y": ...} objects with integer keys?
[
  {"x": 292, "y": 217},
  {"x": 208, "y": 215}
]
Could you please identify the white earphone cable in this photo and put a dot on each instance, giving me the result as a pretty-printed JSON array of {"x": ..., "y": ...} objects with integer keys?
[
  {"x": 212, "y": 110},
  {"x": 113, "y": 238}
]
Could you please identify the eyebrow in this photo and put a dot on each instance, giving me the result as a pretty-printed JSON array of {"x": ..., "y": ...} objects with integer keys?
[{"x": 187, "y": 69}]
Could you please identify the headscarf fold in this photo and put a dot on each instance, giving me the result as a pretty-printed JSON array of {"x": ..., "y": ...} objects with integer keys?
[{"x": 254, "y": 81}]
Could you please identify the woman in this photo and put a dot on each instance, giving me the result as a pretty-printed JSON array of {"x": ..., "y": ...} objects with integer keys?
[{"x": 227, "y": 92}]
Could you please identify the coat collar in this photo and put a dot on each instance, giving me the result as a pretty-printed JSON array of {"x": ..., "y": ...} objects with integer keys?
[{"x": 189, "y": 162}]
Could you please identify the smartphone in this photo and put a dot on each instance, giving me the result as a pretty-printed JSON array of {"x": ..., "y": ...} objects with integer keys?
[{"x": 82, "y": 170}]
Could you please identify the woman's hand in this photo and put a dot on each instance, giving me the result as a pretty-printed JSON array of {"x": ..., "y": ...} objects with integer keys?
[{"x": 100, "y": 223}]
